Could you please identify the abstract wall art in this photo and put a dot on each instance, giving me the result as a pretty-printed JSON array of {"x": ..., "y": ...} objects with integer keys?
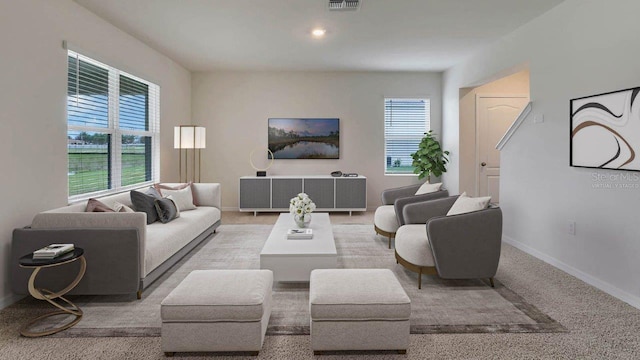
[{"x": 605, "y": 131}]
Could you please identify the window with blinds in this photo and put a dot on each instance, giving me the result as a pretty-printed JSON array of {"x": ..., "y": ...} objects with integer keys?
[
  {"x": 405, "y": 123},
  {"x": 113, "y": 129}
]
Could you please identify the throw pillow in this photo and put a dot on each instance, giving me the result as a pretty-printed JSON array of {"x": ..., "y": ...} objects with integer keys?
[
  {"x": 153, "y": 192},
  {"x": 428, "y": 188},
  {"x": 94, "y": 205},
  {"x": 120, "y": 207},
  {"x": 174, "y": 202},
  {"x": 166, "y": 209},
  {"x": 144, "y": 202},
  {"x": 161, "y": 187},
  {"x": 183, "y": 198},
  {"x": 465, "y": 204}
]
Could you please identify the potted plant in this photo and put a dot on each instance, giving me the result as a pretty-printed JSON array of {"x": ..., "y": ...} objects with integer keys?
[{"x": 429, "y": 159}]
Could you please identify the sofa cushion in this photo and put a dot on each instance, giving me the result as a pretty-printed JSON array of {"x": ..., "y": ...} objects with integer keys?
[
  {"x": 113, "y": 200},
  {"x": 182, "y": 197},
  {"x": 95, "y": 205},
  {"x": 357, "y": 294},
  {"x": 427, "y": 188},
  {"x": 166, "y": 209},
  {"x": 120, "y": 207},
  {"x": 161, "y": 187},
  {"x": 465, "y": 204},
  {"x": 412, "y": 244},
  {"x": 145, "y": 202},
  {"x": 219, "y": 295},
  {"x": 164, "y": 240}
]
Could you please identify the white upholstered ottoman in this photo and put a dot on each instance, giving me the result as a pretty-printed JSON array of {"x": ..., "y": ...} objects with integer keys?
[
  {"x": 217, "y": 310},
  {"x": 358, "y": 309},
  {"x": 385, "y": 221}
]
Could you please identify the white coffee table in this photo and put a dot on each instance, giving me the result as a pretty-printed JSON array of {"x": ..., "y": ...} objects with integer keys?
[{"x": 293, "y": 260}]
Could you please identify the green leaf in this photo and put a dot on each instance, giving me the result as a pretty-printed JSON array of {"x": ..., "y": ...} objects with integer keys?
[{"x": 429, "y": 159}]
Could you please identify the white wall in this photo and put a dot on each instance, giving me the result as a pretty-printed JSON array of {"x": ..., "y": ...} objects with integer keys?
[
  {"x": 580, "y": 47},
  {"x": 33, "y": 73},
  {"x": 235, "y": 106},
  {"x": 515, "y": 84}
]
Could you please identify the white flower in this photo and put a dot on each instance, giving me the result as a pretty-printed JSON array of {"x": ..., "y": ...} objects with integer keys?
[{"x": 301, "y": 204}]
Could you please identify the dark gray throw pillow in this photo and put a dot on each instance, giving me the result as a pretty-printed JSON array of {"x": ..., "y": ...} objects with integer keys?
[
  {"x": 153, "y": 192},
  {"x": 166, "y": 209},
  {"x": 143, "y": 202}
]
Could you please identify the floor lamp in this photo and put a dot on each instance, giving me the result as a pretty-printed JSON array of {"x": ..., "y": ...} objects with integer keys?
[{"x": 190, "y": 137}]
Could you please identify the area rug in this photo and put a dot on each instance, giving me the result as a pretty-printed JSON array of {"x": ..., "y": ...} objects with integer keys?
[{"x": 441, "y": 306}]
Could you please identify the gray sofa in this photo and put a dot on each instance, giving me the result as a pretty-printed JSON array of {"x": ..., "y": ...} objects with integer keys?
[
  {"x": 463, "y": 246},
  {"x": 124, "y": 255}
]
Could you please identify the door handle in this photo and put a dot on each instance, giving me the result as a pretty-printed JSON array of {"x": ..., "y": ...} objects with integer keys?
[{"x": 483, "y": 164}]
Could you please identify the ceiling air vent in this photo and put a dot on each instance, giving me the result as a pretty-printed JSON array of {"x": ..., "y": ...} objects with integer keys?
[{"x": 344, "y": 4}]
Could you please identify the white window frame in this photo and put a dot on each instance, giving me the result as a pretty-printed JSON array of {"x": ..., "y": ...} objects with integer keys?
[
  {"x": 418, "y": 136},
  {"x": 116, "y": 133}
]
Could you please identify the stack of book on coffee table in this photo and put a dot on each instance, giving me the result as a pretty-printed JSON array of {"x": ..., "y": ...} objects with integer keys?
[
  {"x": 52, "y": 251},
  {"x": 299, "y": 234}
]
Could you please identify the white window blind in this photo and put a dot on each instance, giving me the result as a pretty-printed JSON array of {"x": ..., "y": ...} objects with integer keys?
[
  {"x": 405, "y": 123},
  {"x": 113, "y": 129}
]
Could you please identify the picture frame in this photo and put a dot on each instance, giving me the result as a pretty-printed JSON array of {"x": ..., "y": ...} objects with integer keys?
[
  {"x": 304, "y": 138},
  {"x": 605, "y": 131}
]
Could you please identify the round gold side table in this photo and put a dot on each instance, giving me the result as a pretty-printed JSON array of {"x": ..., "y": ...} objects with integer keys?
[{"x": 27, "y": 261}]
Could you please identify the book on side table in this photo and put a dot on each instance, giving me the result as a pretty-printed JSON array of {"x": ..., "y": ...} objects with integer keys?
[
  {"x": 299, "y": 234},
  {"x": 52, "y": 251}
]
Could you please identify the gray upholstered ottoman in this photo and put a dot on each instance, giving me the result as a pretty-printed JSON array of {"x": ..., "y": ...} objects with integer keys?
[
  {"x": 217, "y": 310},
  {"x": 358, "y": 309}
]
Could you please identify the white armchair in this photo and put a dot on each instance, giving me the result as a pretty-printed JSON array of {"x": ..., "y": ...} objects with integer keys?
[{"x": 388, "y": 217}]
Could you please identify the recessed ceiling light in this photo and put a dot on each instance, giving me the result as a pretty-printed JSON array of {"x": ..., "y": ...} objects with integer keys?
[{"x": 318, "y": 32}]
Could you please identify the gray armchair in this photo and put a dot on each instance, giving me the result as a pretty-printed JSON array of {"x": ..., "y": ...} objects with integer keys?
[
  {"x": 389, "y": 196},
  {"x": 388, "y": 217},
  {"x": 464, "y": 246}
]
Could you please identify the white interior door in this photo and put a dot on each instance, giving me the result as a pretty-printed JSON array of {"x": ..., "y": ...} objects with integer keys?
[{"x": 494, "y": 115}]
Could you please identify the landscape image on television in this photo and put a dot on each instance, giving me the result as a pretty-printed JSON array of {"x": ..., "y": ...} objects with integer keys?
[{"x": 304, "y": 138}]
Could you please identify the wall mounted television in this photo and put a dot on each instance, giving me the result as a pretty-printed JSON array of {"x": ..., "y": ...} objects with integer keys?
[{"x": 299, "y": 138}]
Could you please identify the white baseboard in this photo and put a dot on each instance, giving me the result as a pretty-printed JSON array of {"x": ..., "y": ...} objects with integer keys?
[
  {"x": 608, "y": 288},
  {"x": 9, "y": 300}
]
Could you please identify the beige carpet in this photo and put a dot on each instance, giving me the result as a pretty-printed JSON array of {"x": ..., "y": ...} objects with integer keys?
[
  {"x": 441, "y": 306},
  {"x": 601, "y": 327}
]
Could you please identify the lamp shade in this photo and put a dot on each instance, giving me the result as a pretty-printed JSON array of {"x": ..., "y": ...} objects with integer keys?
[{"x": 189, "y": 137}]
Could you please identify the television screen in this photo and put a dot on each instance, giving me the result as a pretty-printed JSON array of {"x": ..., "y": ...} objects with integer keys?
[{"x": 304, "y": 138}]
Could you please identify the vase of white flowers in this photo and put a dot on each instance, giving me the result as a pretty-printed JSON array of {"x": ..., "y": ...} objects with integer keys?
[{"x": 301, "y": 207}]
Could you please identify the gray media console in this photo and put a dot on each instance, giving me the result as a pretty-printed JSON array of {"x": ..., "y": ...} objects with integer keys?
[{"x": 262, "y": 194}]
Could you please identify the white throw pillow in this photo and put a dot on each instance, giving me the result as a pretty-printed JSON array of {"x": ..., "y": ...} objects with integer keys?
[
  {"x": 120, "y": 207},
  {"x": 465, "y": 204},
  {"x": 428, "y": 188},
  {"x": 182, "y": 198}
]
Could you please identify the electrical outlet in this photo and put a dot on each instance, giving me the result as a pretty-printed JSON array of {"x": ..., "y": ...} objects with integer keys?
[
  {"x": 571, "y": 228},
  {"x": 538, "y": 119}
]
